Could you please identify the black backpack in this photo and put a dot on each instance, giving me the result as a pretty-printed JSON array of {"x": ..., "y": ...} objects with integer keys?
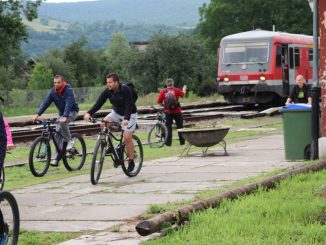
[
  {"x": 170, "y": 102},
  {"x": 133, "y": 90}
]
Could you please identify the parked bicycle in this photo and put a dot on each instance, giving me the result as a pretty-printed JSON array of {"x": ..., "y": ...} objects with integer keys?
[
  {"x": 158, "y": 134},
  {"x": 9, "y": 219},
  {"x": 40, "y": 153},
  {"x": 117, "y": 152}
]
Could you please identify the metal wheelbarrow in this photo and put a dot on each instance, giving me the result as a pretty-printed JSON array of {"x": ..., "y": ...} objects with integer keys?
[{"x": 204, "y": 137}]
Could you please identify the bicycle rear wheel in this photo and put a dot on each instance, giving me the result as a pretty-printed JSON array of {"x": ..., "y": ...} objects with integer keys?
[
  {"x": 97, "y": 161},
  {"x": 9, "y": 218},
  {"x": 2, "y": 178},
  {"x": 76, "y": 155},
  {"x": 138, "y": 158},
  {"x": 39, "y": 156},
  {"x": 157, "y": 135}
]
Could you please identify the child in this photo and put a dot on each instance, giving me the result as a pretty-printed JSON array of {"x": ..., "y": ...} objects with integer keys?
[
  {"x": 10, "y": 143},
  {"x": 3, "y": 141}
]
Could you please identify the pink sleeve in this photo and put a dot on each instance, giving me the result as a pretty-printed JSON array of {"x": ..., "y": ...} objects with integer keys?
[{"x": 8, "y": 132}]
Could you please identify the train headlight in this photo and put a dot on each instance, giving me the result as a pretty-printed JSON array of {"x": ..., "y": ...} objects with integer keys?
[
  {"x": 262, "y": 78},
  {"x": 226, "y": 79}
]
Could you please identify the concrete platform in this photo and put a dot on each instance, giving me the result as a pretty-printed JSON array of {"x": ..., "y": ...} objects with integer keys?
[{"x": 74, "y": 204}]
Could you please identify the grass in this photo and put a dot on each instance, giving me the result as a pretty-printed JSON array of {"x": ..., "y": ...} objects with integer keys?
[
  {"x": 293, "y": 213},
  {"x": 45, "y": 238}
]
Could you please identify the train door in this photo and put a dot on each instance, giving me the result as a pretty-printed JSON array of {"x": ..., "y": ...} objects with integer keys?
[
  {"x": 294, "y": 63},
  {"x": 283, "y": 62}
]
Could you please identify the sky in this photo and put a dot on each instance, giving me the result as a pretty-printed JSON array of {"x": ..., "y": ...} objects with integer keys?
[{"x": 66, "y": 1}]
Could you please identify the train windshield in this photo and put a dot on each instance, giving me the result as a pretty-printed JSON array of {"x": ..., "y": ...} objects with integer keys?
[{"x": 246, "y": 52}]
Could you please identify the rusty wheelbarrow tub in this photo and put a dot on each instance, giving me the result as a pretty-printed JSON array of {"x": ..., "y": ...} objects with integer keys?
[{"x": 204, "y": 137}]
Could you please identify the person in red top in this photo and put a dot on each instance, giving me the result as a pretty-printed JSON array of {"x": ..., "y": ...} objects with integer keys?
[{"x": 172, "y": 111}]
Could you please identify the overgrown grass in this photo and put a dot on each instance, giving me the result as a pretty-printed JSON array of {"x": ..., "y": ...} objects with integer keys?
[{"x": 293, "y": 213}]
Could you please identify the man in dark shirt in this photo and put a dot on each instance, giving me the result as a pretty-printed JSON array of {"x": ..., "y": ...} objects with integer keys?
[
  {"x": 124, "y": 110},
  {"x": 300, "y": 93}
]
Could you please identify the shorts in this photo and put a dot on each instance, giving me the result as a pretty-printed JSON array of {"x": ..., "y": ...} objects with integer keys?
[{"x": 118, "y": 118}]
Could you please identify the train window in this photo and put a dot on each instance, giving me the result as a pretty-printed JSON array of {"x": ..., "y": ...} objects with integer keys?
[
  {"x": 311, "y": 58},
  {"x": 297, "y": 57},
  {"x": 249, "y": 52}
]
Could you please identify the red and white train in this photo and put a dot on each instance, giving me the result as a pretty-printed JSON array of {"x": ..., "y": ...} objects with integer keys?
[{"x": 259, "y": 67}]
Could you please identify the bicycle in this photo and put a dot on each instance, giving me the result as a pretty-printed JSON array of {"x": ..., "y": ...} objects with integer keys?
[
  {"x": 40, "y": 152},
  {"x": 118, "y": 153},
  {"x": 9, "y": 219},
  {"x": 157, "y": 136}
]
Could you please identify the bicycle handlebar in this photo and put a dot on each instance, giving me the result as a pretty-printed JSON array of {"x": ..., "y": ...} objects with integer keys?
[{"x": 45, "y": 121}]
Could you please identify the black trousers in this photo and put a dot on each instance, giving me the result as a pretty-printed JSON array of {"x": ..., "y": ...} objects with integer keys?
[
  {"x": 3, "y": 141},
  {"x": 169, "y": 121}
]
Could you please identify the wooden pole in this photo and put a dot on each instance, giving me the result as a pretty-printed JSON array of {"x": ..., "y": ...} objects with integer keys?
[{"x": 154, "y": 224}]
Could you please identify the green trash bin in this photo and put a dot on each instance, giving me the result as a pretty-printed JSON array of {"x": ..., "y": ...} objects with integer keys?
[{"x": 297, "y": 131}]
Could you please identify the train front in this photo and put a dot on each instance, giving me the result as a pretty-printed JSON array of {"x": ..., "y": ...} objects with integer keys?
[{"x": 244, "y": 73}]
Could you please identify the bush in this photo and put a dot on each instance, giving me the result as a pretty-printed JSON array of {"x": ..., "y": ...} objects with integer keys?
[{"x": 208, "y": 87}]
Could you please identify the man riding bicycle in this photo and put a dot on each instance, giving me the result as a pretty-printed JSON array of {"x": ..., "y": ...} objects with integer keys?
[
  {"x": 63, "y": 97},
  {"x": 124, "y": 110}
]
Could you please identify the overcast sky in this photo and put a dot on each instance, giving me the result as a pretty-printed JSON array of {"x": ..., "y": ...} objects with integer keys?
[{"x": 66, "y": 1}]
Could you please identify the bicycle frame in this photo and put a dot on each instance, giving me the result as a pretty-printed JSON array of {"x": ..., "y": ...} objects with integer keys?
[
  {"x": 109, "y": 136},
  {"x": 49, "y": 133}
]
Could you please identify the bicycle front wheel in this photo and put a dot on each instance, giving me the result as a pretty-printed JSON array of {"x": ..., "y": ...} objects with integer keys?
[
  {"x": 40, "y": 156},
  {"x": 157, "y": 135},
  {"x": 138, "y": 158},
  {"x": 76, "y": 154},
  {"x": 2, "y": 178},
  {"x": 97, "y": 161},
  {"x": 9, "y": 218}
]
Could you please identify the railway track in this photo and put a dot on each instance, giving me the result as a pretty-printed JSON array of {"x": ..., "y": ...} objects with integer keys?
[{"x": 29, "y": 133}]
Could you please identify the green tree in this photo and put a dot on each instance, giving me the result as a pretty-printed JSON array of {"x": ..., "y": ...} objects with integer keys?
[
  {"x": 183, "y": 58},
  {"x": 84, "y": 63},
  {"x": 41, "y": 78},
  {"x": 119, "y": 56},
  {"x": 220, "y": 18},
  {"x": 12, "y": 29}
]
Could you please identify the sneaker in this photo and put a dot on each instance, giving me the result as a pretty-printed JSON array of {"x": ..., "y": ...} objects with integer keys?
[
  {"x": 131, "y": 166},
  {"x": 55, "y": 162},
  {"x": 70, "y": 145},
  {"x": 4, "y": 239}
]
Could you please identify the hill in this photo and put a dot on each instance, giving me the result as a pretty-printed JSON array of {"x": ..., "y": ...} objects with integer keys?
[{"x": 128, "y": 12}]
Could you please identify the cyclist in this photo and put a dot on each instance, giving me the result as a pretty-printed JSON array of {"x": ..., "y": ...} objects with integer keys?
[
  {"x": 3, "y": 146},
  {"x": 63, "y": 97},
  {"x": 124, "y": 110}
]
